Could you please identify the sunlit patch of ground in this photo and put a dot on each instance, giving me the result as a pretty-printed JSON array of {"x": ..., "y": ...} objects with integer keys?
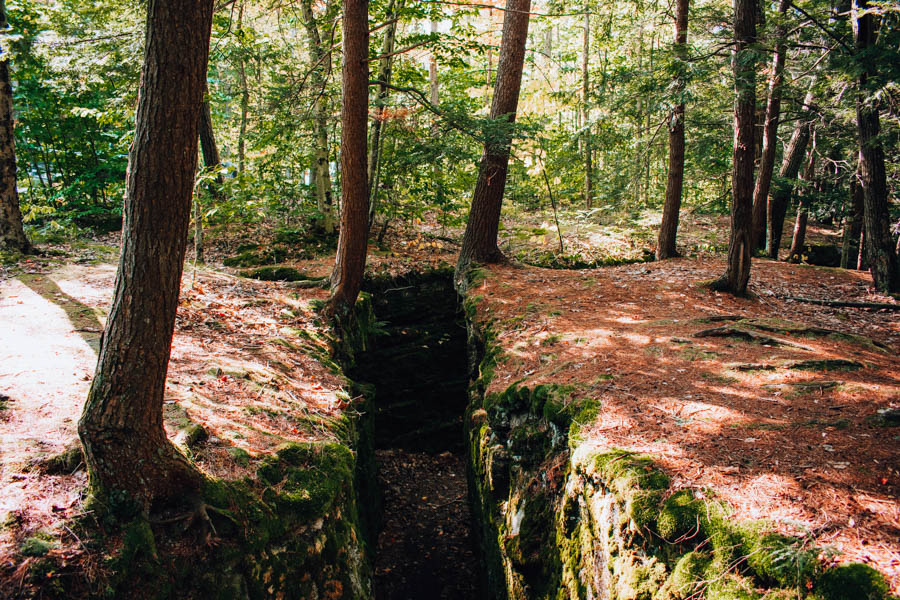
[{"x": 723, "y": 415}]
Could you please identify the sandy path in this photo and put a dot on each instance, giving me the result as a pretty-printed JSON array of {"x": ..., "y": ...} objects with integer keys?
[{"x": 47, "y": 330}]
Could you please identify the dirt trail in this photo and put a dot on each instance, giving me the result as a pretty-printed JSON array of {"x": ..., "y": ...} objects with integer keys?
[{"x": 49, "y": 332}]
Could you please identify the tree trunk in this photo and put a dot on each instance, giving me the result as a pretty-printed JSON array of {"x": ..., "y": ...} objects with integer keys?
[
  {"x": 317, "y": 78},
  {"x": 770, "y": 134},
  {"x": 480, "y": 239},
  {"x": 852, "y": 219},
  {"x": 383, "y": 78},
  {"x": 880, "y": 251},
  {"x": 668, "y": 229},
  {"x": 783, "y": 185},
  {"x": 126, "y": 450},
  {"x": 12, "y": 233},
  {"x": 245, "y": 97},
  {"x": 799, "y": 238},
  {"x": 211, "y": 159},
  {"x": 586, "y": 108},
  {"x": 738, "y": 273},
  {"x": 346, "y": 278}
]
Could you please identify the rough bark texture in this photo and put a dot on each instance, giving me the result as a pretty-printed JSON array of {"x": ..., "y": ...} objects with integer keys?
[
  {"x": 769, "y": 134},
  {"x": 784, "y": 184},
  {"x": 852, "y": 220},
  {"x": 880, "y": 251},
  {"x": 586, "y": 109},
  {"x": 385, "y": 63},
  {"x": 799, "y": 238},
  {"x": 12, "y": 234},
  {"x": 346, "y": 278},
  {"x": 668, "y": 229},
  {"x": 318, "y": 64},
  {"x": 738, "y": 273},
  {"x": 480, "y": 239},
  {"x": 127, "y": 453}
]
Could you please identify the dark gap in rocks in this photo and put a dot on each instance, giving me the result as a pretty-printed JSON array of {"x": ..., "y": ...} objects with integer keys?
[{"x": 419, "y": 372}]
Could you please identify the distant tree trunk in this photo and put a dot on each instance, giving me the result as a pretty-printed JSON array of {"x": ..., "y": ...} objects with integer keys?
[
  {"x": 121, "y": 428},
  {"x": 480, "y": 239},
  {"x": 799, "y": 238},
  {"x": 880, "y": 251},
  {"x": 783, "y": 185},
  {"x": 586, "y": 108},
  {"x": 385, "y": 64},
  {"x": 770, "y": 134},
  {"x": 432, "y": 72},
  {"x": 245, "y": 96},
  {"x": 318, "y": 70},
  {"x": 853, "y": 219},
  {"x": 211, "y": 159},
  {"x": 668, "y": 229},
  {"x": 346, "y": 278},
  {"x": 12, "y": 233},
  {"x": 861, "y": 255},
  {"x": 738, "y": 273}
]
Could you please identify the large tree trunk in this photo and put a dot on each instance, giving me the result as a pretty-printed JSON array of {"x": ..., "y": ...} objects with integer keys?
[
  {"x": 880, "y": 251},
  {"x": 783, "y": 185},
  {"x": 738, "y": 273},
  {"x": 770, "y": 134},
  {"x": 586, "y": 109},
  {"x": 480, "y": 239},
  {"x": 346, "y": 278},
  {"x": 853, "y": 219},
  {"x": 668, "y": 229},
  {"x": 383, "y": 78},
  {"x": 318, "y": 69},
  {"x": 12, "y": 233},
  {"x": 126, "y": 448}
]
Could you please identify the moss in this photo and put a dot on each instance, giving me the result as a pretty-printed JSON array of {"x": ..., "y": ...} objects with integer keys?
[
  {"x": 828, "y": 364},
  {"x": 240, "y": 456},
  {"x": 35, "y": 546},
  {"x": 308, "y": 477},
  {"x": 680, "y": 517},
  {"x": 777, "y": 559},
  {"x": 687, "y": 578},
  {"x": 249, "y": 257},
  {"x": 854, "y": 581},
  {"x": 729, "y": 587},
  {"x": 636, "y": 577}
]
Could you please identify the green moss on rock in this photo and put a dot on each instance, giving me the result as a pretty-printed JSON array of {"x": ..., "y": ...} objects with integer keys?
[{"x": 854, "y": 581}]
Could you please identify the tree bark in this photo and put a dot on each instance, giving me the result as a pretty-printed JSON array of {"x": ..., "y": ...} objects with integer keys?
[
  {"x": 211, "y": 159},
  {"x": 668, "y": 229},
  {"x": 126, "y": 450},
  {"x": 480, "y": 239},
  {"x": 318, "y": 69},
  {"x": 770, "y": 133},
  {"x": 385, "y": 63},
  {"x": 880, "y": 251},
  {"x": 737, "y": 274},
  {"x": 799, "y": 238},
  {"x": 12, "y": 232},
  {"x": 586, "y": 108},
  {"x": 346, "y": 278},
  {"x": 245, "y": 97},
  {"x": 853, "y": 219},
  {"x": 783, "y": 184}
]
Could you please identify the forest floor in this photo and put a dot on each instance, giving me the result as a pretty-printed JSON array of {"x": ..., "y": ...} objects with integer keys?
[{"x": 743, "y": 417}]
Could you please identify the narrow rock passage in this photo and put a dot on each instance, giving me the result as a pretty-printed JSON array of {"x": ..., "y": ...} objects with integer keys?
[
  {"x": 425, "y": 549},
  {"x": 418, "y": 368}
]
